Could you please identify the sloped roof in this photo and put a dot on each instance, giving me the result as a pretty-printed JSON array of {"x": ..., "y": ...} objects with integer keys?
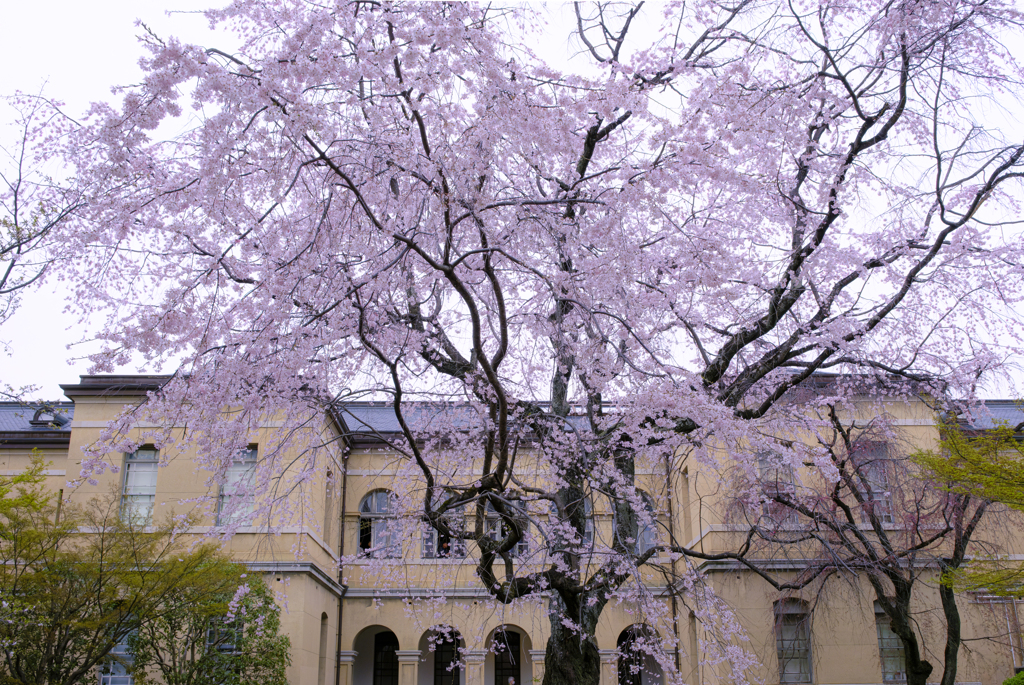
[
  {"x": 35, "y": 425},
  {"x": 999, "y": 412}
]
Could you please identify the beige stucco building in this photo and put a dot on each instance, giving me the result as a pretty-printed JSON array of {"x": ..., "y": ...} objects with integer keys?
[{"x": 371, "y": 622}]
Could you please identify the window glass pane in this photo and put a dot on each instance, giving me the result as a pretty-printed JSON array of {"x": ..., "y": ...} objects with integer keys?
[
  {"x": 794, "y": 648},
  {"x": 115, "y": 670},
  {"x": 507, "y": 659},
  {"x": 588, "y": 524},
  {"x": 375, "y": 534},
  {"x": 236, "y": 501},
  {"x": 873, "y": 459},
  {"x": 647, "y": 536},
  {"x": 223, "y": 635},
  {"x": 139, "y": 491},
  {"x": 385, "y": 659},
  {"x": 890, "y": 650}
]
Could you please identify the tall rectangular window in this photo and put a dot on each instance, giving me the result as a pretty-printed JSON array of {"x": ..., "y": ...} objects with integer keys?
[
  {"x": 497, "y": 530},
  {"x": 115, "y": 670},
  {"x": 793, "y": 641},
  {"x": 223, "y": 635},
  {"x": 890, "y": 650},
  {"x": 139, "y": 492},
  {"x": 236, "y": 501},
  {"x": 777, "y": 480},
  {"x": 329, "y": 510},
  {"x": 872, "y": 460},
  {"x": 439, "y": 546}
]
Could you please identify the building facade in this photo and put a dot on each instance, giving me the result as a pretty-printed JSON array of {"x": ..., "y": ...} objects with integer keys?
[{"x": 367, "y": 602}]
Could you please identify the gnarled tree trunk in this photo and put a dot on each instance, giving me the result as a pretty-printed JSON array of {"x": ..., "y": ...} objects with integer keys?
[{"x": 572, "y": 657}]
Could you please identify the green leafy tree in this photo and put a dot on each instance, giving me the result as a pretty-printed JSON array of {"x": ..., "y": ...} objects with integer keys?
[
  {"x": 225, "y": 638},
  {"x": 79, "y": 580},
  {"x": 988, "y": 465}
]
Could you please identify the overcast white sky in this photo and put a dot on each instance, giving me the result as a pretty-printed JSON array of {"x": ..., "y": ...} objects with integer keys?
[{"x": 77, "y": 51}]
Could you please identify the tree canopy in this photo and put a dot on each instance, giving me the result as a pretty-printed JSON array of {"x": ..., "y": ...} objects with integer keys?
[
  {"x": 986, "y": 465},
  {"x": 76, "y": 582},
  {"x": 600, "y": 265}
]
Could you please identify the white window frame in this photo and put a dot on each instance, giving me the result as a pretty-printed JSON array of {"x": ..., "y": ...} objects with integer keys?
[
  {"x": 222, "y": 626},
  {"x": 138, "y": 487},
  {"x": 456, "y": 546},
  {"x": 236, "y": 500},
  {"x": 793, "y": 641},
  {"x": 776, "y": 478},
  {"x": 493, "y": 530},
  {"x": 114, "y": 672},
  {"x": 872, "y": 462},
  {"x": 891, "y": 653},
  {"x": 375, "y": 515},
  {"x": 647, "y": 536}
]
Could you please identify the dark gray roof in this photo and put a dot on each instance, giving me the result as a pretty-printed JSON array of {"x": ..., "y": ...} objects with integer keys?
[
  {"x": 18, "y": 417},
  {"x": 36, "y": 425},
  {"x": 368, "y": 421},
  {"x": 367, "y": 418},
  {"x": 999, "y": 412}
]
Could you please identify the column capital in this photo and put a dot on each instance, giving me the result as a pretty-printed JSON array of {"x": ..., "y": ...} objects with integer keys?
[
  {"x": 347, "y": 657},
  {"x": 609, "y": 656},
  {"x": 537, "y": 654},
  {"x": 406, "y": 656},
  {"x": 474, "y": 656}
]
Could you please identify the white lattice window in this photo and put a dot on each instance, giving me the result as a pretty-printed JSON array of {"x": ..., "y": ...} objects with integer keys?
[
  {"x": 236, "y": 500},
  {"x": 138, "y": 494},
  {"x": 376, "y": 537},
  {"x": 872, "y": 460},
  {"x": 793, "y": 641},
  {"x": 777, "y": 481},
  {"x": 115, "y": 670},
  {"x": 498, "y": 529},
  {"x": 890, "y": 649},
  {"x": 437, "y": 545}
]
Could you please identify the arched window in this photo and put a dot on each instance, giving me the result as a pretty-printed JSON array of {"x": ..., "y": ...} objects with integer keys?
[
  {"x": 508, "y": 659},
  {"x": 376, "y": 538},
  {"x": 793, "y": 640},
  {"x": 634, "y": 647},
  {"x": 588, "y": 522},
  {"x": 385, "y": 659}
]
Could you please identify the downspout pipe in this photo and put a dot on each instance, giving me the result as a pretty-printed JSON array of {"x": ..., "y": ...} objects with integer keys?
[
  {"x": 672, "y": 536},
  {"x": 341, "y": 562}
]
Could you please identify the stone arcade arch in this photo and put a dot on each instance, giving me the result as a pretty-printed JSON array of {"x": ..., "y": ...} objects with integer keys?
[
  {"x": 636, "y": 664},
  {"x": 376, "y": 657},
  {"x": 508, "y": 655},
  {"x": 439, "y": 648}
]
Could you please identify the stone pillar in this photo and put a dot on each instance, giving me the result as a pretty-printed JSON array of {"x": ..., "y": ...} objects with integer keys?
[
  {"x": 537, "y": 657},
  {"x": 609, "y": 666},
  {"x": 408, "y": 666},
  {"x": 345, "y": 662},
  {"x": 474, "y": 660}
]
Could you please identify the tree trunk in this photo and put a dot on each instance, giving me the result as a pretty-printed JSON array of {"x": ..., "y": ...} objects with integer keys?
[
  {"x": 952, "y": 634},
  {"x": 571, "y": 657}
]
